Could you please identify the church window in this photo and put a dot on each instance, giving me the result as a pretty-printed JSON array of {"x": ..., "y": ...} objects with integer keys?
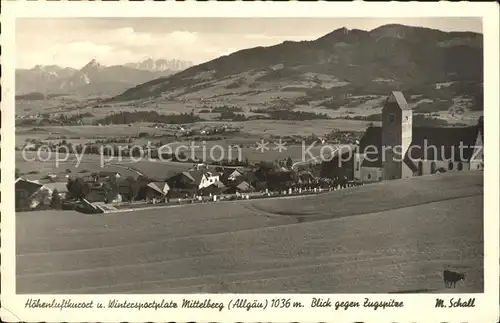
[
  {"x": 460, "y": 166},
  {"x": 450, "y": 166},
  {"x": 369, "y": 176},
  {"x": 391, "y": 117},
  {"x": 357, "y": 165}
]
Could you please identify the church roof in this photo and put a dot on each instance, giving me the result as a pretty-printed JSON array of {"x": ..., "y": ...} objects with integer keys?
[
  {"x": 400, "y": 100},
  {"x": 429, "y": 143},
  {"x": 370, "y": 145},
  {"x": 372, "y": 137}
]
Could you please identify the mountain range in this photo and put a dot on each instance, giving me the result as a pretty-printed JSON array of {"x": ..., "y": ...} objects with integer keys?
[
  {"x": 93, "y": 78},
  {"x": 355, "y": 62},
  {"x": 159, "y": 65}
]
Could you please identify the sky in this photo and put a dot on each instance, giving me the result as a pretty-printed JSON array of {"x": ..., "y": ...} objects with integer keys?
[{"x": 73, "y": 42}]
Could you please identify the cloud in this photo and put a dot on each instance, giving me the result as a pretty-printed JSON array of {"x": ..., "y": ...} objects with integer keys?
[
  {"x": 110, "y": 47},
  {"x": 75, "y": 41},
  {"x": 121, "y": 45}
]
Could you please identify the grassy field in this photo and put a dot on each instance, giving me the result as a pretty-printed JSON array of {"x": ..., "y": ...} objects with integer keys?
[
  {"x": 81, "y": 132},
  {"x": 395, "y": 236},
  {"x": 36, "y": 170},
  {"x": 154, "y": 168},
  {"x": 304, "y": 128},
  {"x": 253, "y": 128}
]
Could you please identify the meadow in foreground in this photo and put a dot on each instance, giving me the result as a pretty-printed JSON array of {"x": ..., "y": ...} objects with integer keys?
[{"x": 395, "y": 236}]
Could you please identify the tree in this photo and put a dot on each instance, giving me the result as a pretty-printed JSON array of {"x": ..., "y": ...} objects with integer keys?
[
  {"x": 182, "y": 156},
  {"x": 56, "y": 203},
  {"x": 69, "y": 185},
  {"x": 289, "y": 162},
  {"x": 77, "y": 188},
  {"x": 111, "y": 189},
  {"x": 133, "y": 188},
  {"x": 264, "y": 170}
]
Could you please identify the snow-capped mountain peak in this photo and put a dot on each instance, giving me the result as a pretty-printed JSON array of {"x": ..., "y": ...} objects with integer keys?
[
  {"x": 94, "y": 78},
  {"x": 159, "y": 65},
  {"x": 92, "y": 65}
]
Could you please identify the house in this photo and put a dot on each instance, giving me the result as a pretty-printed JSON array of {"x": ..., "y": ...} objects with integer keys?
[
  {"x": 305, "y": 176},
  {"x": 86, "y": 206},
  {"x": 241, "y": 187},
  {"x": 107, "y": 175},
  {"x": 230, "y": 174},
  {"x": 399, "y": 149},
  {"x": 96, "y": 194},
  {"x": 192, "y": 179},
  {"x": 61, "y": 188},
  {"x": 31, "y": 194},
  {"x": 249, "y": 176},
  {"x": 214, "y": 189},
  {"x": 182, "y": 180}
]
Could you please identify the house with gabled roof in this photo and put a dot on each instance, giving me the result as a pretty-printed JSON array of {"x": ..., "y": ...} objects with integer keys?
[
  {"x": 399, "y": 149},
  {"x": 239, "y": 187},
  {"x": 61, "y": 187},
  {"x": 214, "y": 189},
  {"x": 30, "y": 194},
  {"x": 230, "y": 174},
  {"x": 157, "y": 190}
]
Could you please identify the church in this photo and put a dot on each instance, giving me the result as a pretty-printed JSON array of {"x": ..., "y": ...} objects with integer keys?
[{"x": 398, "y": 149}]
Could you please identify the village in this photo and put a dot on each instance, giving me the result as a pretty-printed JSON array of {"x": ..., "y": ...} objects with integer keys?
[{"x": 106, "y": 191}]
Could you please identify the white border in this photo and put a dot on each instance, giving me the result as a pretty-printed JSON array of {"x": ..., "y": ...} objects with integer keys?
[{"x": 417, "y": 307}]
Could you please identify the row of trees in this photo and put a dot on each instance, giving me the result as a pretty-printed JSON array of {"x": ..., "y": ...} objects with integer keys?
[
  {"x": 148, "y": 116},
  {"x": 286, "y": 114}
]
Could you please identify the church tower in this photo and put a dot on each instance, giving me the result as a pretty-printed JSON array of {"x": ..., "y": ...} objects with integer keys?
[{"x": 396, "y": 136}]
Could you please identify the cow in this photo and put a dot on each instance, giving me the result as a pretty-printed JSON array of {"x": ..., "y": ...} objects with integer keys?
[{"x": 451, "y": 278}]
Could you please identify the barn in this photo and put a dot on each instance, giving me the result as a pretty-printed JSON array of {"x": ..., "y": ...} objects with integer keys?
[{"x": 399, "y": 149}]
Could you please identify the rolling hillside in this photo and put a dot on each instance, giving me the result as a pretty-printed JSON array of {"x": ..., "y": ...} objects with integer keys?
[
  {"x": 433, "y": 64},
  {"x": 395, "y": 236}
]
